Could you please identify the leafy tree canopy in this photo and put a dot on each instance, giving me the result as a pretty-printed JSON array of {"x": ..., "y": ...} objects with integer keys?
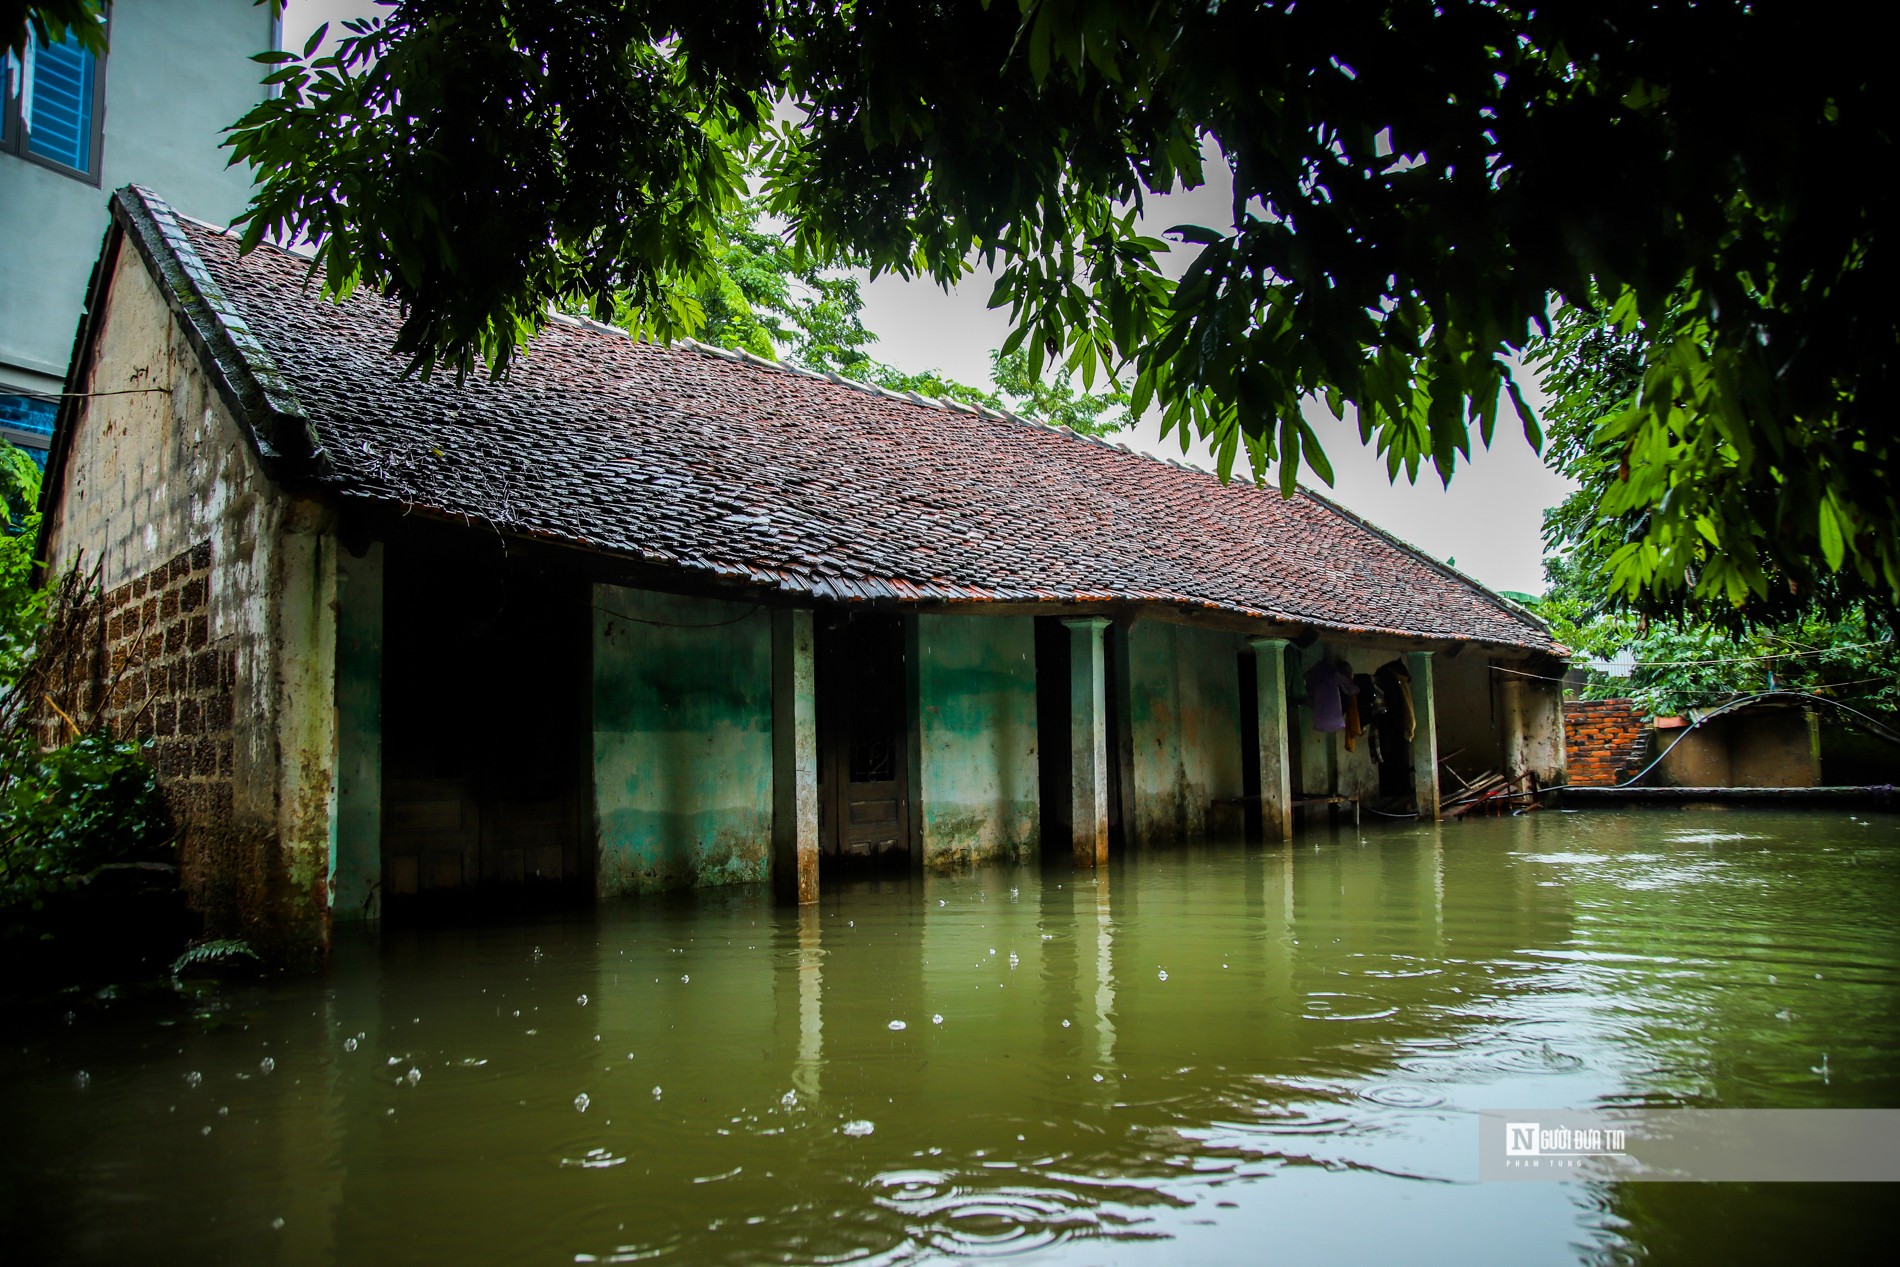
[
  {"x": 1412, "y": 181},
  {"x": 1825, "y": 640}
]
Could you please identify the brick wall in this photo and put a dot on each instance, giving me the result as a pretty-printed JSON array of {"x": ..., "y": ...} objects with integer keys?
[
  {"x": 1605, "y": 741},
  {"x": 149, "y": 669}
]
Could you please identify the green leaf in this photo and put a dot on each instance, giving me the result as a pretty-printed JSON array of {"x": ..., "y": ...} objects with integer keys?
[{"x": 1833, "y": 541}]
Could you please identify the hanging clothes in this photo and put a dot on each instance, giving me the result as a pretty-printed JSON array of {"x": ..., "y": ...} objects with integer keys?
[
  {"x": 1395, "y": 680},
  {"x": 1372, "y": 710},
  {"x": 1327, "y": 690},
  {"x": 1349, "y": 687}
]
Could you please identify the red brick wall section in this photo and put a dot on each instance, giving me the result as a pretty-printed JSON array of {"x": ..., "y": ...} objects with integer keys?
[
  {"x": 152, "y": 671},
  {"x": 1605, "y": 741}
]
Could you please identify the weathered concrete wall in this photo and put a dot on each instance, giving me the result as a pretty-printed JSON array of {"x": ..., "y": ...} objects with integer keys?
[
  {"x": 1469, "y": 731},
  {"x": 977, "y": 732},
  {"x": 1775, "y": 747},
  {"x": 682, "y": 741},
  {"x": 1761, "y": 748},
  {"x": 1184, "y": 718},
  {"x": 224, "y": 588},
  {"x": 1543, "y": 715}
]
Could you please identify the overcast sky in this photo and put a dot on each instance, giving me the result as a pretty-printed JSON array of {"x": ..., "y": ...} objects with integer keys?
[{"x": 1488, "y": 522}]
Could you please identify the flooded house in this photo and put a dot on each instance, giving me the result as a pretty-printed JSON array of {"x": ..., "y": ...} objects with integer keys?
[{"x": 640, "y": 618}]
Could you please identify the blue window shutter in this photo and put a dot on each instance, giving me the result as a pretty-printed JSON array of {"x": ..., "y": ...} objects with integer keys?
[{"x": 59, "y": 115}]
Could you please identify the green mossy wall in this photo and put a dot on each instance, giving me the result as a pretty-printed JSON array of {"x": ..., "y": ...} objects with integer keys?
[
  {"x": 1184, "y": 715},
  {"x": 682, "y": 741},
  {"x": 976, "y": 684}
]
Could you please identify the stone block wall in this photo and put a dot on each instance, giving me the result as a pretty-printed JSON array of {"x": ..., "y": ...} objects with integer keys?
[
  {"x": 214, "y": 636},
  {"x": 150, "y": 670},
  {"x": 1605, "y": 741}
]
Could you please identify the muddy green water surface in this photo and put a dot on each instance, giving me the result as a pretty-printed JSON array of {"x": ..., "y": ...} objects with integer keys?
[{"x": 1210, "y": 1055}]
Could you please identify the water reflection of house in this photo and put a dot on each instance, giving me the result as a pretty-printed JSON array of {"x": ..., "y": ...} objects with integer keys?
[{"x": 641, "y": 618}]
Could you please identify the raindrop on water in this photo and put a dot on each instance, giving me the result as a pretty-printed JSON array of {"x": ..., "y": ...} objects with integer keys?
[
  {"x": 898, "y": 1025},
  {"x": 1164, "y": 974},
  {"x": 349, "y": 1044},
  {"x": 858, "y": 1128},
  {"x": 581, "y": 1102},
  {"x": 413, "y": 1077},
  {"x": 1065, "y": 1025},
  {"x": 266, "y": 1065},
  {"x": 656, "y": 1093},
  {"x": 277, "y": 1224},
  {"x": 789, "y": 1099},
  {"x": 193, "y": 1078},
  {"x": 582, "y": 1000},
  {"x": 1098, "y": 1077},
  {"x": 936, "y": 1018},
  {"x": 684, "y": 978},
  {"x": 1013, "y": 960},
  {"x": 82, "y": 1079}
]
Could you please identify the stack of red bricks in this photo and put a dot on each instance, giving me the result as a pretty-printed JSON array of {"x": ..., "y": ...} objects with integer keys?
[
  {"x": 153, "y": 672},
  {"x": 1604, "y": 741}
]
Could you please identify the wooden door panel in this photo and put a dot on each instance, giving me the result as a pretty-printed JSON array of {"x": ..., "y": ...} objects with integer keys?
[{"x": 863, "y": 718}]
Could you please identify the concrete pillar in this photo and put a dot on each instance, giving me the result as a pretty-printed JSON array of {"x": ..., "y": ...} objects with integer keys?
[
  {"x": 794, "y": 758},
  {"x": 1511, "y": 720},
  {"x": 356, "y": 871},
  {"x": 1276, "y": 778},
  {"x": 1088, "y": 742},
  {"x": 1424, "y": 735},
  {"x": 303, "y": 642}
]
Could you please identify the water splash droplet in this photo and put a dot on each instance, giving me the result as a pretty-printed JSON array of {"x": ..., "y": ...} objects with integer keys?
[
  {"x": 656, "y": 1093},
  {"x": 413, "y": 1076},
  {"x": 1163, "y": 974},
  {"x": 936, "y": 1018},
  {"x": 898, "y": 1025},
  {"x": 82, "y": 1079},
  {"x": 789, "y": 1099},
  {"x": 858, "y": 1128},
  {"x": 685, "y": 978},
  {"x": 349, "y": 1044},
  {"x": 581, "y": 1102},
  {"x": 193, "y": 1078},
  {"x": 582, "y": 1000},
  {"x": 1065, "y": 1025},
  {"x": 277, "y": 1224},
  {"x": 266, "y": 1065},
  {"x": 1098, "y": 1077},
  {"x": 1013, "y": 960}
]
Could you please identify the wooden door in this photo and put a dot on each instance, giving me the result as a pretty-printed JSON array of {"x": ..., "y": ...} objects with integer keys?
[
  {"x": 484, "y": 734},
  {"x": 863, "y": 725}
]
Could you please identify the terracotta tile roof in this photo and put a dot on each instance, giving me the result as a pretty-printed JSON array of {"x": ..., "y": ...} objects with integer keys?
[{"x": 728, "y": 466}]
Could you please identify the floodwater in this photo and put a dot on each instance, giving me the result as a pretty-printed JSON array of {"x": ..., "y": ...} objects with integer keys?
[{"x": 1213, "y": 1055}]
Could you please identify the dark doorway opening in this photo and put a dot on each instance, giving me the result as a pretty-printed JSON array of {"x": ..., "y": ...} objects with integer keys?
[
  {"x": 864, "y": 791},
  {"x": 485, "y": 738}
]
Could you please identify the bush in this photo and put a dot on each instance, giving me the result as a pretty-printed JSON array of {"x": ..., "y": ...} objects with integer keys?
[{"x": 67, "y": 813}]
